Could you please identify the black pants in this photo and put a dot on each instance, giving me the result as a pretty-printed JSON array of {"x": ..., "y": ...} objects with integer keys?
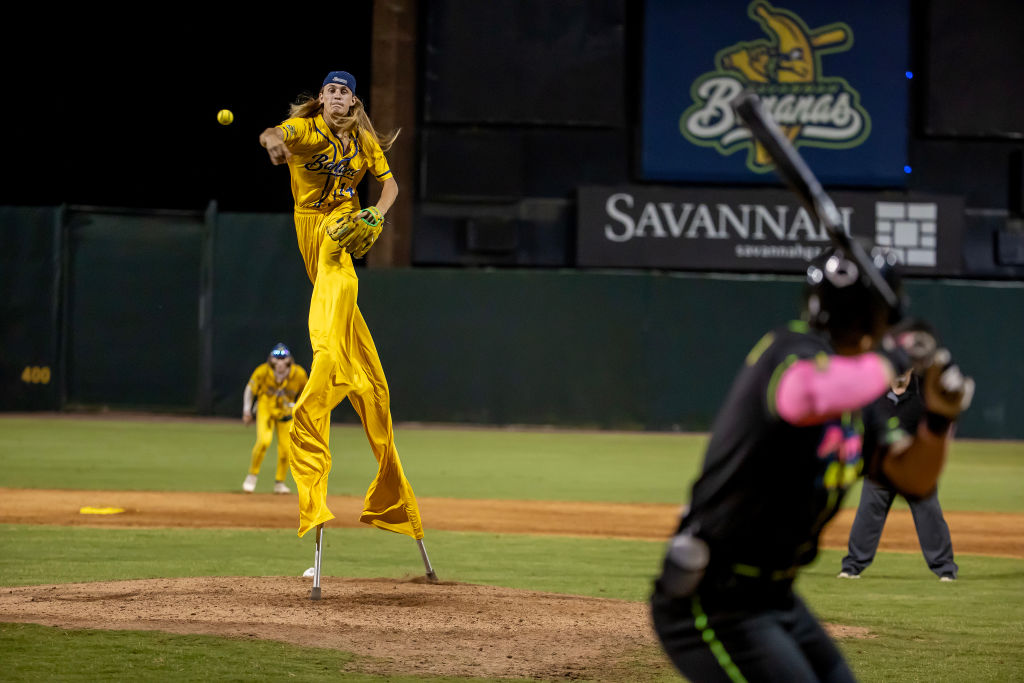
[
  {"x": 781, "y": 643},
  {"x": 932, "y": 531}
]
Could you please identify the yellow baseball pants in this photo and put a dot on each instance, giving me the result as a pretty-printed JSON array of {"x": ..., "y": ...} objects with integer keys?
[
  {"x": 345, "y": 365},
  {"x": 265, "y": 427}
]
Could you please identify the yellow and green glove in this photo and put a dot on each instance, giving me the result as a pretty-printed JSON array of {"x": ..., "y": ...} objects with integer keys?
[{"x": 356, "y": 232}]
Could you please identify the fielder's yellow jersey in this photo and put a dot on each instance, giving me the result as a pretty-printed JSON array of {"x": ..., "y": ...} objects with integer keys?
[
  {"x": 324, "y": 174},
  {"x": 277, "y": 397}
]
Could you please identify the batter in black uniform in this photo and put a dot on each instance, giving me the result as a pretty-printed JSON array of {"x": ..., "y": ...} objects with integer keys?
[
  {"x": 902, "y": 401},
  {"x": 796, "y": 429}
]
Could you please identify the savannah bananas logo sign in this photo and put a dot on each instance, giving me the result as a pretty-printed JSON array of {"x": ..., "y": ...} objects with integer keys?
[{"x": 785, "y": 70}]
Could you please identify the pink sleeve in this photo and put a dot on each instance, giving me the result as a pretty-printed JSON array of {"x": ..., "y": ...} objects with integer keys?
[{"x": 810, "y": 392}]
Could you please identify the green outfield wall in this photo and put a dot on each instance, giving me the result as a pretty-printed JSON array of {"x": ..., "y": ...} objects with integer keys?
[
  {"x": 636, "y": 350},
  {"x": 29, "y": 305},
  {"x": 186, "y": 306}
]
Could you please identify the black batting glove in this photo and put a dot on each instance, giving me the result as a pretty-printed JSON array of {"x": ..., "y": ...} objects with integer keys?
[{"x": 918, "y": 340}]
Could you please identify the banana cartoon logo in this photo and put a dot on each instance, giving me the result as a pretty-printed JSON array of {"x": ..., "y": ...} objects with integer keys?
[{"x": 785, "y": 71}]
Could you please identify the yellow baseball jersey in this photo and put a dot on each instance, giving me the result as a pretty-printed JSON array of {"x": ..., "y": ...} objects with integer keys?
[
  {"x": 324, "y": 174},
  {"x": 278, "y": 398}
]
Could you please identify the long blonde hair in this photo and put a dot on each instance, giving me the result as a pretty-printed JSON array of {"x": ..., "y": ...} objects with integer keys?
[{"x": 356, "y": 120}]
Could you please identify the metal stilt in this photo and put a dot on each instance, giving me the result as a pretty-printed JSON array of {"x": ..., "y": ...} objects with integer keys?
[
  {"x": 315, "y": 595},
  {"x": 431, "y": 576}
]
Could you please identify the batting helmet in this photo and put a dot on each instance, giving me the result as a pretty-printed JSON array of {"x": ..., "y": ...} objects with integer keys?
[
  {"x": 839, "y": 299},
  {"x": 280, "y": 351}
]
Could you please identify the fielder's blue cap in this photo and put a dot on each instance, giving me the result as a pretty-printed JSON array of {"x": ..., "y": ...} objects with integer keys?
[
  {"x": 280, "y": 351},
  {"x": 341, "y": 78}
]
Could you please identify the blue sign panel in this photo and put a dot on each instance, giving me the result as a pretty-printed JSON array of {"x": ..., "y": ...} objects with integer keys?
[{"x": 834, "y": 76}]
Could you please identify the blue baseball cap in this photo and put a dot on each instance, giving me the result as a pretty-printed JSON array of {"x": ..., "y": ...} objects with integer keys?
[
  {"x": 280, "y": 351},
  {"x": 341, "y": 78}
]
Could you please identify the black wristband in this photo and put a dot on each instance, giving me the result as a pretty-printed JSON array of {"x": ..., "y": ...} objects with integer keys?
[{"x": 937, "y": 424}]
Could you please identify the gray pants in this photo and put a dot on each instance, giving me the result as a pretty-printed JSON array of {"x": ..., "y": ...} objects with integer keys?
[{"x": 932, "y": 531}]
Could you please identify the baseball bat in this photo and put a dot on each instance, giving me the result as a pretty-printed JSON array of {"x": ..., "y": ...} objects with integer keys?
[{"x": 801, "y": 180}]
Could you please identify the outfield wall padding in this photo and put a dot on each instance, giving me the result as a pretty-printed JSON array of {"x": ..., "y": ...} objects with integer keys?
[
  {"x": 131, "y": 309},
  {"x": 177, "y": 311},
  {"x": 29, "y": 329},
  {"x": 637, "y": 350}
]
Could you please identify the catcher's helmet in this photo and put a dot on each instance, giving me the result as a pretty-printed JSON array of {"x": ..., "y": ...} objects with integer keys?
[
  {"x": 280, "y": 351},
  {"x": 839, "y": 300}
]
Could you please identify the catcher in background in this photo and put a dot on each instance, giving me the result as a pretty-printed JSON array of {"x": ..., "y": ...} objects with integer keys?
[
  {"x": 903, "y": 401},
  {"x": 274, "y": 386},
  {"x": 329, "y": 143},
  {"x": 797, "y": 428}
]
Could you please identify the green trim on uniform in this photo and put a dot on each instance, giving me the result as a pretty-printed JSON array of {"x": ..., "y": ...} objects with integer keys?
[
  {"x": 760, "y": 347},
  {"x": 785, "y": 574},
  {"x": 700, "y": 622},
  {"x": 799, "y": 326},
  {"x": 753, "y": 572},
  {"x": 746, "y": 570}
]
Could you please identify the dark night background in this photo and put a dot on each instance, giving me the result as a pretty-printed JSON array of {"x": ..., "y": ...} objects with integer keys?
[
  {"x": 517, "y": 105},
  {"x": 126, "y": 116},
  {"x": 119, "y": 110}
]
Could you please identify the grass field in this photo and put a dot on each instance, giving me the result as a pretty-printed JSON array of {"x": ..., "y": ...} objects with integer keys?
[
  {"x": 459, "y": 463},
  {"x": 923, "y": 630}
]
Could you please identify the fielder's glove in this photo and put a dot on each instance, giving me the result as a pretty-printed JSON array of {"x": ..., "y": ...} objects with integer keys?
[{"x": 357, "y": 232}]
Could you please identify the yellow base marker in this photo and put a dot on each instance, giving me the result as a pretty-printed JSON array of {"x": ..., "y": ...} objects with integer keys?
[{"x": 88, "y": 510}]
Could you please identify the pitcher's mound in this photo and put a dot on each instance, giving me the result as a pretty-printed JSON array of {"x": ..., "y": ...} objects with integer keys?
[{"x": 408, "y": 626}]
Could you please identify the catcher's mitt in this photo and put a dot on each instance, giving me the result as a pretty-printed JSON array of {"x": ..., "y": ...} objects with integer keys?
[{"x": 356, "y": 232}]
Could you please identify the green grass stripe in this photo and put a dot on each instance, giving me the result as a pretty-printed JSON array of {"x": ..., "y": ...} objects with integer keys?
[
  {"x": 459, "y": 463},
  {"x": 923, "y": 629},
  {"x": 213, "y": 455},
  {"x": 34, "y": 653},
  {"x": 36, "y": 555}
]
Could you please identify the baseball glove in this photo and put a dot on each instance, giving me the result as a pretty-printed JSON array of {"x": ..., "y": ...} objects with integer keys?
[{"x": 356, "y": 232}]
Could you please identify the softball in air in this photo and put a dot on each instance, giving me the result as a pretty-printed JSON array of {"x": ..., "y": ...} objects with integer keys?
[{"x": 225, "y": 117}]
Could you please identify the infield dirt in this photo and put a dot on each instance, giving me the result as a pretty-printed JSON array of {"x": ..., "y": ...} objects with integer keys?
[
  {"x": 981, "y": 533},
  {"x": 406, "y": 626}
]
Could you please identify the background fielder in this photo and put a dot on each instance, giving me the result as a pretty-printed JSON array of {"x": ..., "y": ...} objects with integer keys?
[{"x": 273, "y": 386}]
